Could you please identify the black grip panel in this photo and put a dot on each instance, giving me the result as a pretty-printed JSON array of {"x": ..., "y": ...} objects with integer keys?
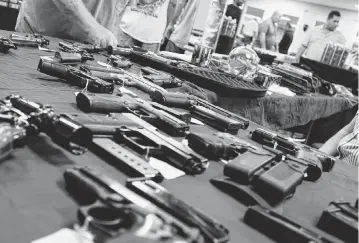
[
  {"x": 210, "y": 146},
  {"x": 279, "y": 182},
  {"x": 244, "y": 168},
  {"x": 172, "y": 99},
  {"x": 100, "y": 103}
]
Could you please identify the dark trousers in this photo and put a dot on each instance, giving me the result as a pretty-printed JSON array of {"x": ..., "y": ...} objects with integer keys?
[
  {"x": 171, "y": 47},
  {"x": 8, "y": 17}
]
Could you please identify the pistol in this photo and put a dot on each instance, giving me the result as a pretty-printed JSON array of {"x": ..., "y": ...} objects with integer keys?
[
  {"x": 111, "y": 104},
  {"x": 75, "y": 77},
  {"x": 301, "y": 151}
]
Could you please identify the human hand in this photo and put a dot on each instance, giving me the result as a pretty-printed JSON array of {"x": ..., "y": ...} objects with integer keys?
[{"x": 101, "y": 36}]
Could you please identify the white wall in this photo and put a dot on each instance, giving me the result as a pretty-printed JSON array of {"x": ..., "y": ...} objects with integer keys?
[{"x": 309, "y": 13}]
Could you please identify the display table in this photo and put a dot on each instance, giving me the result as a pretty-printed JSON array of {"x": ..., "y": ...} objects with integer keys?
[{"x": 34, "y": 202}]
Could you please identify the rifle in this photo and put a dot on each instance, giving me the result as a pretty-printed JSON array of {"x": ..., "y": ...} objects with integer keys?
[
  {"x": 212, "y": 230},
  {"x": 126, "y": 103},
  {"x": 302, "y": 151},
  {"x": 39, "y": 118},
  {"x": 279, "y": 228},
  {"x": 111, "y": 209},
  {"x": 177, "y": 154},
  {"x": 210, "y": 114},
  {"x": 31, "y": 40},
  {"x": 6, "y": 44},
  {"x": 75, "y": 77}
]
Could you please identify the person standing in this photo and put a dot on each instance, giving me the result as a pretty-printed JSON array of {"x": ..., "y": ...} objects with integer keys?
[
  {"x": 315, "y": 42},
  {"x": 225, "y": 43},
  {"x": 179, "y": 28},
  {"x": 143, "y": 24},
  {"x": 267, "y": 33},
  {"x": 287, "y": 39}
]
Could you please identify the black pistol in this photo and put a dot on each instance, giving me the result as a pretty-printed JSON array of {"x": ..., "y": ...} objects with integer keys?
[
  {"x": 111, "y": 104},
  {"x": 115, "y": 210},
  {"x": 301, "y": 151},
  {"x": 202, "y": 110},
  {"x": 213, "y": 231},
  {"x": 75, "y": 77}
]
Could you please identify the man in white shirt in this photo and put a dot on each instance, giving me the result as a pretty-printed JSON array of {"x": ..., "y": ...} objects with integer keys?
[
  {"x": 314, "y": 44},
  {"x": 143, "y": 24}
]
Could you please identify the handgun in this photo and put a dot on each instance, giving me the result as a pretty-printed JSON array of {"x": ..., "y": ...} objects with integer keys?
[
  {"x": 113, "y": 209},
  {"x": 31, "y": 40},
  {"x": 218, "y": 145},
  {"x": 202, "y": 110},
  {"x": 75, "y": 77},
  {"x": 111, "y": 104},
  {"x": 148, "y": 144},
  {"x": 283, "y": 144},
  {"x": 211, "y": 229},
  {"x": 193, "y": 160}
]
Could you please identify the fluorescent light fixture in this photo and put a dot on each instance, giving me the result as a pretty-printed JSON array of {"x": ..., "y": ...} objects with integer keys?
[{"x": 357, "y": 6}]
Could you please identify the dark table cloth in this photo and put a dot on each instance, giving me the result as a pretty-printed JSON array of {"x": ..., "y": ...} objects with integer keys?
[{"x": 34, "y": 203}]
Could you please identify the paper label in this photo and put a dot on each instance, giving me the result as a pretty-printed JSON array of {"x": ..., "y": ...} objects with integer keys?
[
  {"x": 195, "y": 121},
  {"x": 64, "y": 235},
  {"x": 123, "y": 90},
  {"x": 47, "y": 58},
  {"x": 104, "y": 64},
  {"x": 168, "y": 171},
  {"x": 46, "y": 49}
]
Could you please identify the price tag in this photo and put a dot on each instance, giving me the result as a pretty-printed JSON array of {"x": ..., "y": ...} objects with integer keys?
[
  {"x": 46, "y": 49},
  {"x": 168, "y": 171},
  {"x": 64, "y": 235},
  {"x": 195, "y": 121}
]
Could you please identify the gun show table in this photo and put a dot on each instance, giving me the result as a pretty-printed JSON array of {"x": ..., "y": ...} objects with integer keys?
[{"x": 34, "y": 202}]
